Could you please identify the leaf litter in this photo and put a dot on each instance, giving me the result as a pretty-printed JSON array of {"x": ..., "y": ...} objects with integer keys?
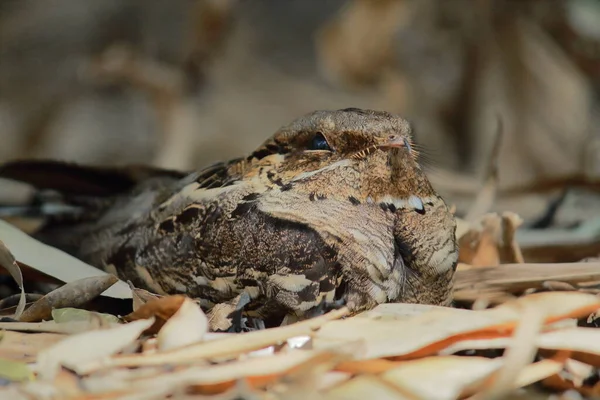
[{"x": 517, "y": 327}]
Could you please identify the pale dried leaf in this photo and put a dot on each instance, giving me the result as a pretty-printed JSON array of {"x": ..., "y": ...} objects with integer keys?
[
  {"x": 267, "y": 368},
  {"x": 188, "y": 325},
  {"x": 24, "y": 347},
  {"x": 54, "y": 262},
  {"x": 49, "y": 326},
  {"x": 431, "y": 331},
  {"x": 13, "y": 392},
  {"x": 441, "y": 377},
  {"x": 72, "y": 294},
  {"x": 367, "y": 387},
  {"x": 15, "y": 371},
  {"x": 404, "y": 310},
  {"x": 66, "y": 315},
  {"x": 584, "y": 340},
  {"x": 228, "y": 346},
  {"x": 8, "y": 262},
  {"x": 89, "y": 346}
]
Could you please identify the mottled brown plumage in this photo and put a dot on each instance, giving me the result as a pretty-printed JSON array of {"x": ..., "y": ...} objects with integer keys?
[{"x": 333, "y": 206}]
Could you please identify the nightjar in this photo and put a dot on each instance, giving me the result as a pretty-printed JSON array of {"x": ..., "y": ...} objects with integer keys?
[{"x": 332, "y": 207}]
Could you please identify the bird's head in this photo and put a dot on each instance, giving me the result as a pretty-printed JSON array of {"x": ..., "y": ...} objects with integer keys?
[{"x": 360, "y": 153}]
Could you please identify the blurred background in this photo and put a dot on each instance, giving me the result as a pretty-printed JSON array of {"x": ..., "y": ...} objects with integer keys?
[{"x": 503, "y": 94}]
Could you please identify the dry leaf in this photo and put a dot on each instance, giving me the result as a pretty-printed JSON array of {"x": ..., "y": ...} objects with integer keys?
[
  {"x": 188, "y": 325},
  {"x": 480, "y": 245},
  {"x": 66, "y": 315},
  {"x": 72, "y": 294},
  {"x": 404, "y": 310},
  {"x": 54, "y": 262},
  {"x": 141, "y": 296},
  {"x": 432, "y": 331},
  {"x": 15, "y": 370},
  {"x": 89, "y": 346},
  {"x": 228, "y": 346},
  {"x": 257, "y": 371},
  {"x": 161, "y": 309},
  {"x": 367, "y": 387},
  {"x": 584, "y": 342},
  {"x": 24, "y": 347},
  {"x": 8, "y": 262},
  {"x": 49, "y": 326},
  {"x": 441, "y": 377}
]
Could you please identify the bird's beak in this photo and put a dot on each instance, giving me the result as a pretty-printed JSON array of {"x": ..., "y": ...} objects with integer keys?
[{"x": 393, "y": 141}]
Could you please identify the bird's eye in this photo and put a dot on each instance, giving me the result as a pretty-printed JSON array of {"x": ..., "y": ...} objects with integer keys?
[{"x": 319, "y": 142}]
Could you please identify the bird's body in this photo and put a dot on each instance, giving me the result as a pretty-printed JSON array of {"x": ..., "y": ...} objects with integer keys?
[{"x": 333, "y": 206}]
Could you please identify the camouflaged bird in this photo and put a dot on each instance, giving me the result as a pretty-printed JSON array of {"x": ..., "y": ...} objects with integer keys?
[{"x": 332, "y": 207}]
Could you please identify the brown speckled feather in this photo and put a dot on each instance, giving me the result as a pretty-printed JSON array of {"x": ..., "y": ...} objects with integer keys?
[{"x": 333, "y": 206}]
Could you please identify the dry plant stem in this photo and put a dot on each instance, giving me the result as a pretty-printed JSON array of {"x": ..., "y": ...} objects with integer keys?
[
  {"x": 229, "y": 346},
  {"x": 515, "y": 277},
  {"x": 520, "y": 353},
  {"x": 487, "y": 195}
]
